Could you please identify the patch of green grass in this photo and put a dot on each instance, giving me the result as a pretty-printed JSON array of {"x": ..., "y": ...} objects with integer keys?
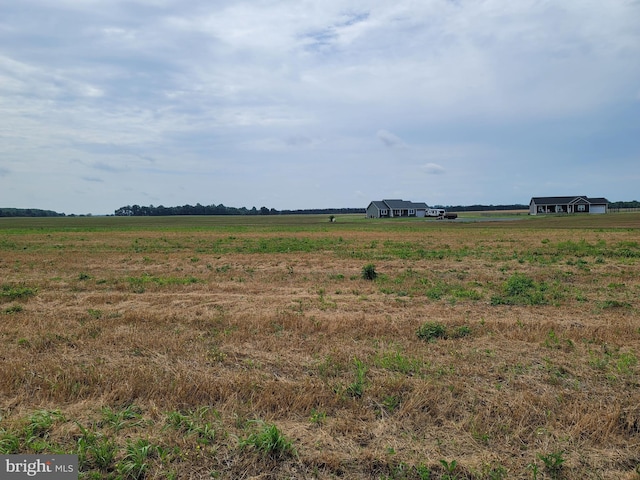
[
  {"x": 13, "y": 309},
  {"x": 117, "y": 420},
  {"x": 9, "y": 442},
  {"x": 520, "y": 289},
  {"x": 431, "y": 331},
  {"x": 605, "y": 304},
  {"x": 31, "y": 435},
  {"x": 139, "y": 283},
  {"x": 270, "y": 442},
  {"x": 317, "y": 416},
  {"x": 14, "y": 292},
  {"x": 553, "y": 463},
  {"x": 95, "y": 313},
  {"x": 194, "y": 423},
  {"x": 135, "y": 463},
  {"x": 94, "y": 450},
  {"x": 397, "y": 362}
]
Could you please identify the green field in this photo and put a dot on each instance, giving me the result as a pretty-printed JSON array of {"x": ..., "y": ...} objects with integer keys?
[{"x": 494, "y": 346}]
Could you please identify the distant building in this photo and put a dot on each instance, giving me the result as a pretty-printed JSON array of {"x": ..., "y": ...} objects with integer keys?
[
  {"x": 396, "y": 208},
  {"x": 557, "y": 205}
]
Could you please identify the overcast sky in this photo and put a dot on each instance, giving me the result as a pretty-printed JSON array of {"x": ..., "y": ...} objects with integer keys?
[{"x": 316, "y": 103}]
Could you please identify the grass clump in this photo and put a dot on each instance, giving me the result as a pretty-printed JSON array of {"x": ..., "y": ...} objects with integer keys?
[
  {"x": 13, "y": 309},
  {"x": 369, "y": 272},
  {"x": 431, "y": 331},
  {"x": 13, "y": 292},
  {"x": 356, "y": 388},
  {"x": 520, "y": 289},
  {"x": 270, "y": 442}
]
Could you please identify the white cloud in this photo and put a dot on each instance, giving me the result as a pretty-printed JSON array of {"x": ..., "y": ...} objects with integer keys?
[
  {"x": 433, "y": 169},
  {"x": 390, "y": 140}
]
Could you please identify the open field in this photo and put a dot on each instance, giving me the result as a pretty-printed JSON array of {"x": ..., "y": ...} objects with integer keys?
[{"x": 291, "y": 347}]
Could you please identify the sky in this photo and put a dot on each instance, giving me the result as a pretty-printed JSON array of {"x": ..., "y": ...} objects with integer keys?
[{"x": 316, "y": 103}]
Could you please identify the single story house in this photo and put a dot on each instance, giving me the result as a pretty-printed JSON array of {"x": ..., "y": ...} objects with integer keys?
[
  {"x": 396, "y": 208},
  {"x": 579, "y": 204}
]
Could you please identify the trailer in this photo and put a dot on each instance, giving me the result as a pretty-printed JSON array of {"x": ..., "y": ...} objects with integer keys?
[{"x": 435, "y": 212}]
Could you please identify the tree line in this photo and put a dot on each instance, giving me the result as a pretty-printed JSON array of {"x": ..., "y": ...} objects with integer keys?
[
  {"x": 28, "y": 212},
  {"x": 483, "y": 208},
  {"x": 151, "y": 211},
  {"x": 631, "y": 204}
]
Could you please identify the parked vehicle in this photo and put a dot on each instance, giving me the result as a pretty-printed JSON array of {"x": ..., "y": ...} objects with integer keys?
[{"x": 435, "y": 212}]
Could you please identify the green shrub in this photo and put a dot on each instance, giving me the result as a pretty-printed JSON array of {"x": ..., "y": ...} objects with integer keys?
[
  {"x": 369, "y": 272},
  {"x": 431, "y": 331},
  {"x": 519, "y": 289}
]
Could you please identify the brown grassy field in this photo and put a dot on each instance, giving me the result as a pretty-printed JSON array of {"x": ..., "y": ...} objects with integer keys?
[{"x": 257, "y": 348}]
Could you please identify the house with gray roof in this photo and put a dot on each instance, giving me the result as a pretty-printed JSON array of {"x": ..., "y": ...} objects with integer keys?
[
  {"x": 567, "y": 205},
  {"x": 396, "y": 208}
]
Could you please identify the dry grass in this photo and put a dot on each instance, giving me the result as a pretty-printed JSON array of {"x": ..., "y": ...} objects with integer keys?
[{"x": 194, "y": 337}]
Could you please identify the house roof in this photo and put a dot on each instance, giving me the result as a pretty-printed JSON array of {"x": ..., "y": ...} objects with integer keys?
[
  {"x": 380, "y": 205},
  {"x": 398, "y": 204},
  {"x": 568, "y": 200}
]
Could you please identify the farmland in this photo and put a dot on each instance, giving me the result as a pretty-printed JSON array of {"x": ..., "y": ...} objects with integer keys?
[{"x": 291, "y": 347}]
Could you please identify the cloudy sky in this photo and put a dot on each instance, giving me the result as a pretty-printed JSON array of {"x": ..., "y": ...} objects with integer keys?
[{"x": 316, "y": 103}]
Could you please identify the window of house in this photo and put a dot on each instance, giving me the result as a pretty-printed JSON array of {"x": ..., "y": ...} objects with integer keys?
[
  {"x": 581, "y": 208},
  {"x": 412, "y": 211}
]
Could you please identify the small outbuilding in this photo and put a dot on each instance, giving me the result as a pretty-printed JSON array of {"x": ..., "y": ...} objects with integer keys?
[
  {"x": 568, "y": 205},
  {"x": 396, "y": 208}
]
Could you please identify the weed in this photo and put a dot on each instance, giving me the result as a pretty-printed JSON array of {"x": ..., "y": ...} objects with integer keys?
[
  {"x": 553, "y": 463},
  {"x": 369, "y": 272},
  {"x": 494, "y": 472},
  {"x": 95, "y": 450},
  {"x": 519, "y": 289},
  {"x": 13, "y": 292},
  {"x": 40, "y": 422},
  {"x": 127, "y": 417},
  {"x": 533, "y": 466},
  {"x": 626, "y": 362},
  {"x": 613, "y": 304},
  {"x": 424, "y": 472},
  {"x": 135, "y": 462},
  {"x": 397, "y": 362},
  {"x": 391, "y": 402},
  {"x": 449, "y": 469},
  {"x": 318, "y": 417},
  {"x": 460, "y": 332},
  {"x": 9, "y": 442},
  {"x": 13, "y": 309},
  {"x": 356, "y": 388},
  {"x": 270, "y": 442},
  {"x": 95, "y": 313},
  {"x": 431, "y": 331},
  {"x": 193, "y": 422}
]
